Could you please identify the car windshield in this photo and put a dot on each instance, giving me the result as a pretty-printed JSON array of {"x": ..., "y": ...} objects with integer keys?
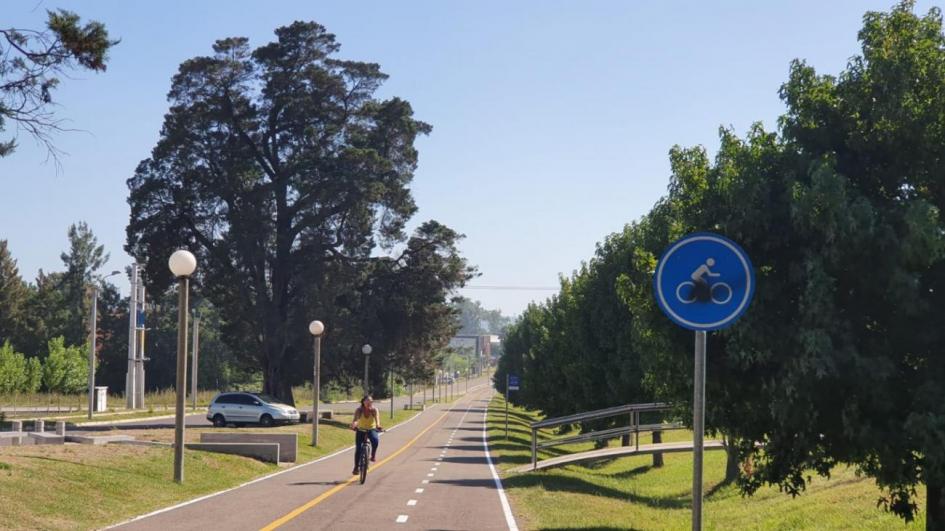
[{"x": 267, "y": 399}]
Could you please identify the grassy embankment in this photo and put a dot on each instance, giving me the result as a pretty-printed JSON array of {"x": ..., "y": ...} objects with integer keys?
[
  {"x": 87, "y": 487},
  {"x": 627, "y": 493}
]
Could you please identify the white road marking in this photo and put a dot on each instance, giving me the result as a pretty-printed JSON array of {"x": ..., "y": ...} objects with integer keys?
[
  {"x": 425, "y": 481},
  {"x": 402, "y": 519},
  {"x": 411, "y": 502},
  {"x": 509, "y": 519},
  {"x": 429, "y": 475},
  {"x": 419, "y": 491}
]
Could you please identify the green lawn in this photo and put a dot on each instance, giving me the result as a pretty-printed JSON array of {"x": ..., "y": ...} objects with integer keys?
[
  {"x": 87, "y": 487},
  {"x": 627, "y": 493}
]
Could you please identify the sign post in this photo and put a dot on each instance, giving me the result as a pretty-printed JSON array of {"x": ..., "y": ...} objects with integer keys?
[
  {"x": 703, "y": 282},
  {"x": 511, "y": 384}
]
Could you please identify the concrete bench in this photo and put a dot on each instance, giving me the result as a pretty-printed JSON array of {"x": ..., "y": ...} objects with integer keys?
[
  {"x": 288, "y": 442},
  {"x": 12, "y": 438},
  {"x": 47, "y": 438},
  {"x": 268, "y": 452},
  {"x": 98, "y": 439}
]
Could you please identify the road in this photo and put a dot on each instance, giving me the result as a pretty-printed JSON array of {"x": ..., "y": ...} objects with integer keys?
[
  {"x": 432, "y": 472},
  {"x": 199, "y": 420}
]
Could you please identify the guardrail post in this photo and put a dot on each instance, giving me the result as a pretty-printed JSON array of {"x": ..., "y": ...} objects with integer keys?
[
  {"x": 658, "y": 456},
  {"x": 636, "y": 426},
  {"x": 534, "y": 449}
]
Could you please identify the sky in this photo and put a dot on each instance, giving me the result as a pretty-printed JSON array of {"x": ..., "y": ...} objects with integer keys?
[{"x": 552, "y": 120}]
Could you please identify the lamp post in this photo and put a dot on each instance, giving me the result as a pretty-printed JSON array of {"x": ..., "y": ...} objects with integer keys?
[
  {"x": 182, "y": 264},
  {"x": 366, "y": 350},
  {"x": 93, "y": 335},
  {"x": 316, "y": 328}
]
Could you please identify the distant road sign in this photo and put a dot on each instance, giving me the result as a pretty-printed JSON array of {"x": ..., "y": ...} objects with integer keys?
[
  {"x": 513, "y": 382},
  {"x": 704, "y": 282}
]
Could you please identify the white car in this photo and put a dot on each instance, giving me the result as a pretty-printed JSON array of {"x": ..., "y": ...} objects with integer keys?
[{"x": 250, "y": 408}]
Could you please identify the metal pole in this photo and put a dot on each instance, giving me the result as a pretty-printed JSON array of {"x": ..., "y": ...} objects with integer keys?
[
  {"x": 92, "y": 335},
  {"x": 139, "y": 365},
  {"x": 506, "y": 406},
  {"x": 132, "y": 338},
  {"x": 698, "y": 428},
  {"x": 193, "y": 370},
  {"x": 392, "y": 391},
  {"x": 182, "y": 303},
  {"x": 316, "y": 388},
  {"x": 365, "y": 385}
]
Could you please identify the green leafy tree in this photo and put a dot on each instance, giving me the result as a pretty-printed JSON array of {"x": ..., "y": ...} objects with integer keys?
[
  {"x": 32, "y": 63},
  {"x": 13, "y": 377},
  {"x": 82, "y": 261},
  {"x": 283, "y": 172},
  {"x": 65, "y": 369},
  {"x": 34, "y": 375}
]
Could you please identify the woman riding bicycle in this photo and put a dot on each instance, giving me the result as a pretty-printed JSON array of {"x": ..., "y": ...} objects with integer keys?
[{"x": 367, "y": 422}]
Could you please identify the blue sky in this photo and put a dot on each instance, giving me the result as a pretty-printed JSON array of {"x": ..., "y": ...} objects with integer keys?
[{"x": 551, "y": 120}]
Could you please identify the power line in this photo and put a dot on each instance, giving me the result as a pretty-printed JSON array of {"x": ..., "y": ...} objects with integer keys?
[{"x": 514, "y": 288}]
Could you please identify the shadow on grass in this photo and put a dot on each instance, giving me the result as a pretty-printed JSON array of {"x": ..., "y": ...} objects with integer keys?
[{"x": 558, "y": 483}]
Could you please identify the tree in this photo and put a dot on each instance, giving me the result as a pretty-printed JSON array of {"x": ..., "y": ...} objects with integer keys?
[
  {"x": 283, "y": 173},
  {"x": 13, "y": 298},
  {"x": 13, "y": 377},
  {"x": 31, "y": 63},
  {"x": 65, "y": 369},
  {"x": 82, "y": 261}
]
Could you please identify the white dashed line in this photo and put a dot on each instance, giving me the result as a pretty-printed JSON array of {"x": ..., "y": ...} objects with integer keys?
[
  {"x": 411, "y": 502},
  {"x": 402, "y": 519},
  {"x": 425, "y": 481},
  {"x": 429, "y": 475},
  {"x": 419, "y": 491}
]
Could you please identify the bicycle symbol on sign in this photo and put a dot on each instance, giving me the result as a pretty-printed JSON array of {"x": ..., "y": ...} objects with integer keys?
[{"x": 718, "y": 292}]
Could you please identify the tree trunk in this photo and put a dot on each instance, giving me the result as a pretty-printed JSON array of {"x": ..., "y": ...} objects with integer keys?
[
  {"x": 276, "y": 383},
  {"x": 935, "y": 508},
  {"x": 731, "y": 461}
]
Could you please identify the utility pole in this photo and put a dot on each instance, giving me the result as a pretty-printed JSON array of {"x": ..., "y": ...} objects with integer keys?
[
  {"x": 92, "y": 334},
  {"x": 132, "y": 339},
  {"x": 139, "y": 365}
]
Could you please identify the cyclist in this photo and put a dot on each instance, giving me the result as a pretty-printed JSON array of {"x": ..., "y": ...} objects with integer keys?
[
  {"x": 367, "y": 422},
  {"x": 704, "y": 270}
]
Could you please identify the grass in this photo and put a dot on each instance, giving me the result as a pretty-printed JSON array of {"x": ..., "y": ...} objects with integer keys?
[
  {"x": 88, "y": 487},
  {"x": 627, "y": 493}
]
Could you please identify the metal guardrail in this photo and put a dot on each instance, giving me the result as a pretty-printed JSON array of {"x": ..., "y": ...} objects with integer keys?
[{"x": 633, "y": 428}]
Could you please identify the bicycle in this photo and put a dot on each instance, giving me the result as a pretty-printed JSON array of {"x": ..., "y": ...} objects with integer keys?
[
  {"x": 725, "y": 293},
  {"x": 365, "y": 455}
]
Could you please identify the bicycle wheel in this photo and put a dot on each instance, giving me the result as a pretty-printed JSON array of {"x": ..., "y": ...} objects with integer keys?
[{"x": 365, "y": 452}]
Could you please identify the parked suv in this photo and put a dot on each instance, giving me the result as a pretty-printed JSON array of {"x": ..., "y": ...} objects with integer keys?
[{"x": 249, "y": 408}]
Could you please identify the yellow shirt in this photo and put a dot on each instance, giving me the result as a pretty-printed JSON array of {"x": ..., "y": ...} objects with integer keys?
[{"x": 367, "y": 420}]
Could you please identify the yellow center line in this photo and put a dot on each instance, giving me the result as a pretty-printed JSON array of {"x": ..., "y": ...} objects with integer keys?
[{"x": 337, "y": 488}]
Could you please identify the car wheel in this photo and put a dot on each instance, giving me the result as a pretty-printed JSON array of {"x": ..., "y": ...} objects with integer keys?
[
  {"x": 265, "y": 420},
  {"x": 219, "y": 421}
]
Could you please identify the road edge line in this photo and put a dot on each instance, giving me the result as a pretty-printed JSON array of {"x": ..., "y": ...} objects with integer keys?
[
  {"x": 503, "y": 499},
  {"x": 257, "y": 480}
]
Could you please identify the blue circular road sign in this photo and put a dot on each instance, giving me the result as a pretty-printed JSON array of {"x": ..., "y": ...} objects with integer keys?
[{"x": 704, "y": 282}]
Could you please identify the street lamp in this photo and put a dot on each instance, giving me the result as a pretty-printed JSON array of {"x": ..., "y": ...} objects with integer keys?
[
  {"x": 366, "y": 350},
  {"x": 316, "y": 328},
  {"x": 93, "y": 333},
  {"x": 182, "y": 264}
]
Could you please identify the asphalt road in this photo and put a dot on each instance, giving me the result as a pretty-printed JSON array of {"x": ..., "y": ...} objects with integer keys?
[
  {"x": 199, "y": 420},
  {"x": 432, "y": 472}
]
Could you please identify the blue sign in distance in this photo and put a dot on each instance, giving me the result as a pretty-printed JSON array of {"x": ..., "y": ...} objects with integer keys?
[
  {"x": 513, "y": 382},
  {"x": 704, "y": 282}
]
